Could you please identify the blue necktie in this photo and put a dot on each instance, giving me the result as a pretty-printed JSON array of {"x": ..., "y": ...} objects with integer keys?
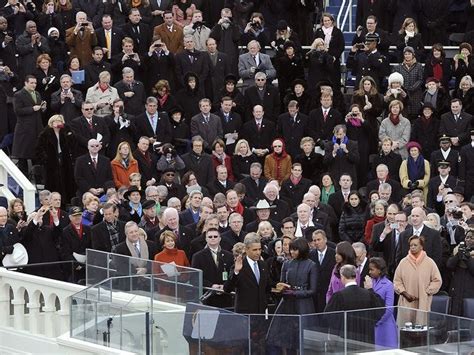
[{"x": 256, "y": 271}]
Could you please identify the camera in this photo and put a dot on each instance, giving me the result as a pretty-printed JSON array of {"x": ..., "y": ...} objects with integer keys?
[
  {"x": 157, "y": 146},
  {"x": 413, "y": 185},
  {"x": 158, "y": 45},
  {"x": 84, "y": 24},
  {"x": 197, "y": 25},
  {"x": 338, "y": 140},
  {"x": 463, "y": 251},
  {"x": 457, "y": 214},
  {"x": 394, "y": 225},
  {"x": 353, "y": 114},
  {"x": 360, "y": 45},
  {"x": 256, "y": 25}
]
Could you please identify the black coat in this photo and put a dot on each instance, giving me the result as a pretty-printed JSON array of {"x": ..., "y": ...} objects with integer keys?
[
  {"x": 233, "y": 124},
  {"x": 336, "y": 47},
  {"x": 159, "y": 66},
  {"x": 120, "y": 133},
  {"x": 28, "y": 124},
  {"x": 68, "y": 109},
  {"x": 466, "y": 170},
  {"x": 293, "y": 193},
  {"x": 88, "y": 177},
  {"x": 446, "y": 66},
  {"x": 459, "y": 128},
  {"x": 241, "y": 167},
  {"x": 250, "y": 296},
  {"x": 201, "y": 165},
  {"x": 293, "y": 132},
  {"x": 100, "y": 237},
  {"x": 432, "y": 20},
  {"x": 336, "y": 201},
  {"x": 200, "y": 65},
  {"x": 217, "y": 74},
  {"x": 453, "y": 158},
  {"x": 147, "y": 167},
  {"x": 388, "y": 247},
  {"x": 163, "y": 131},
  {"x": 462, "y": 282},
  {"x": 71, "y": 243},
  {"x": 134, "y": 105},
  {"x": 288, "y": 70},
  {"x": 324, "y": 273},
  {"x": 58, "y": 168},
  {"x": 432, "y": 244},
  {"x": 92, "y": 71},
  {"x": 142, "y": 40},
  {"x": 281, "y": 210},
  {"x": 115, "y": 39},
  {"x": 379, "y": 9},
  {"x": 393, "y": 162},
  {"x": 270, "y": 102},
  {"x": 254, "y": 192},
  {"x": 312, "y": 165},
  {"x": 427, "y": 136},
  {"x": 262, "y": 139},
  {"x": 352, "y": 223},
  {"x": 323, "y": 130},
  {"x": 342, "y": 163},
  {"x": 466, "y": 98},
  {"x": 8, "y": 237}
]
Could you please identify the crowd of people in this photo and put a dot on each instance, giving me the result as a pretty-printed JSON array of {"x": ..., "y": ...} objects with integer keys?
[{"x": 158, "y": 137}]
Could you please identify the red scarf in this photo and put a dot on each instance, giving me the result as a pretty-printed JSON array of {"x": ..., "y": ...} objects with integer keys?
[
  {"x": 78, "y": 231},
  {"x": 295, "y": 181},
  {"x": 239, "y": 209},
  {"x": 395, "y": 119},
  {"x": 103, "y": 88},
  {"x": 438, "y": 71},
  {"x": 163, "y": 99}
]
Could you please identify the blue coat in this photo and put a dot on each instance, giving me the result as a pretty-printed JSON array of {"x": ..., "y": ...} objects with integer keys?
[{"x": 386, "y": 329}]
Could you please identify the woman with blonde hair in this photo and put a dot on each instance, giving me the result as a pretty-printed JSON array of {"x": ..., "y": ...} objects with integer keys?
[
  {"x": 123, "y": 165},
  {"x": 465, "y": 92},
  {"x": 311, "y": 162},
  {"x": 162, "y": 92},
  {"x": 91, "y": 206},
  {"x": 397, "y": 127},
  {"x": 267, "y": 234},
  {"x": 242, "y": 160},
  {"x": 54, "y": 152},
  {"x": 320, "y": 64}
]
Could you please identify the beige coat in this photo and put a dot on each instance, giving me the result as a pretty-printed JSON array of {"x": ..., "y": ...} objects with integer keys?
[
  {"x": 422, "y": 184},
  {"x": 421, "y": 280}
]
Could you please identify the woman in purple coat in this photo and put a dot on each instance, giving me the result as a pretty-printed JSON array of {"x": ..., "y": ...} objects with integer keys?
[
  {"x": 386, "y": 329},
  {"x": 345, "y": 254}
]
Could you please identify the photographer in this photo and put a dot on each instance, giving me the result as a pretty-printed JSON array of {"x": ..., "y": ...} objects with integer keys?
[
  {"x": 17, "y": 14},
  {"x": 283, "y": 35},
  {"x": 81, "y": 38},
  {"x": 453, "y": 223},
  {"x": 198, "y": 30},
  {"x": 128, "y": 58},
  {"x": 66, "y": 101},
  {"x": 462, "y": 266},
  {"x": 255, "y": 30},
  {"x": 121, "y": 127},
  {"x": 170, "y": 160},
  {"x": 7, "y": 45}
]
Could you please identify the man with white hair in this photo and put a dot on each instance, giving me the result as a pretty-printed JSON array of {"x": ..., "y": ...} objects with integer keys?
[
  {"x": 265, "y": 94},
  {"x": 132, "y": 92},
  {"x": 81, "y": 38},
  {"x": 304, "y": 221},
  {"x": 254, "y": 62},
  {"x": 281, "y": 208},
  {"x": 183, "y": 234},
  {"x": 254, "y": 183},
  {"x": 67, "y": 101},
  {"x": 190, "y": 60},
  {"x": 191, "y": 214},
  {"x": 8, "y": 234},
  {"x": 384, "y": 178}
]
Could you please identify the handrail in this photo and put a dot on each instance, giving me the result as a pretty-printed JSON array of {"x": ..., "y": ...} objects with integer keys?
[
  {"x": 339, "y": 15},
  {"x": 346, "y": 14},
  {"x": 7, "y": 167}
]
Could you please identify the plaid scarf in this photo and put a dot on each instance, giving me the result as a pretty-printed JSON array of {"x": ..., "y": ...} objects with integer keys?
[{"x": 113, "y": 232}]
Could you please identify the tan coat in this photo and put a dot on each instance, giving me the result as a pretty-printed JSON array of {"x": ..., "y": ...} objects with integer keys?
[
  {"x": 423, "y": 281},
  {"x": 275, "y": 171},
  {"x": 422, "y": 184},
  {"x": 173, "y": 39},
  {"x": 81, "y": 45}
]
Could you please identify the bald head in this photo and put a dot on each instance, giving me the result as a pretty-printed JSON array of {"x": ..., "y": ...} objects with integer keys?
[
  {"x": 3, "y": 216},
  {"x": 417, "y": 216}
]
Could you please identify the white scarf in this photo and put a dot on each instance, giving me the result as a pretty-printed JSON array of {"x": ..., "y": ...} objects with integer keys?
[
  {"x": 327, "y": 35},
  {"x": 144, "y": 255}
]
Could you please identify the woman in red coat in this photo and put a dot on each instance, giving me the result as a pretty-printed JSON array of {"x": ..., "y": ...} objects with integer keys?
[
  {"x": 123, "y": 165},
  {"x": 219, "y": 157},
  {"x": 378, "y": 212}
]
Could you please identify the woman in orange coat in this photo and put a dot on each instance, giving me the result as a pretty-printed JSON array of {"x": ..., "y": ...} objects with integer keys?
[
  {"x": 170, "y": 253},
  {"x": 123, "y": 165},
  {"x": 278, "y": 164}
]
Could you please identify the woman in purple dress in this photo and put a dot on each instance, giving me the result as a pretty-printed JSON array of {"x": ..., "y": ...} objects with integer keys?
[
  {"x": 345, "y": 254},
  {"x": 386, "y": 329}
]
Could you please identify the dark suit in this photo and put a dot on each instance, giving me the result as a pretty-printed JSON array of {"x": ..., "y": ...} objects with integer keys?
[
  {"x": 281, "y": 210},
  {"x": 134, "y": 105},
  {"x": 8, "y": 237},
  {"x": 293, "y": 193},
  {"x": 233, "y": 124},
  {"x": 68, "y": 109},
  {"x": 293, "y": 131},
  {"x": 262, "y": 139},
  {"x": 116, "y": 36},
  {"x": 199, "y": 65},
  {"x": 229, "y": 237},
  {"x": 83, "y": 133},
  {"x": 146, "y": 166},
  {"x": 342, "y": 162},
  {"x": 324, "y": 271},
  {"x": 100, "y": 237},
  {"x": 364, "y": 272},
  {"x": 453, "y": 128},
  {"x": 141, "y": 36},
  {"x": 214, "y": 274},
  {"x": 432, "y": 244},
  {"x": 216, "y": 187},
  {"x": 466, "y": 170},
  {"x": 388, "y": 247},
  {"x": 453, "y": 158},
  {"x": 254, "y": 192},
  {"x": 433, "y": 189},
  {"x": 323, "y": 129},
  {"x": 159, "y": 66},
  {"x": 208, "y": 131},
  {"x": 336, "y": 201},
  {"x": 186, "y": 217},
  {"x": 270, "y": 101},
  {"x": 217, "y": 73},
  {"x": 88, "y": 177},
  {"x": 162, "y": 132},
  {"x": 250, "y": 296}
]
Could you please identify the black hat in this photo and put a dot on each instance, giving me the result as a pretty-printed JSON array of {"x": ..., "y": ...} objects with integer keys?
[
  {"x": 231, "y": 78},
  {"x": 75, "y": 210},
  {"x": 372, "y": 37},
  {"x": 289, "y": 44},
  {"x": 458, "y": 190},
  {"x": 176, "y": 109},
  {"x": 444, "y": 164},
  {"x": 148, "y": 204},
  {"x": 298, "y": 81},
  {"x": 131, "y": 189},
  {"x": 282, "y": 25},
  {"x": 472, "y": 131},
  {"x": 444, "y": 138},
  {"x": 169, "y": 170},
  {"x": 428, "y": 105}
]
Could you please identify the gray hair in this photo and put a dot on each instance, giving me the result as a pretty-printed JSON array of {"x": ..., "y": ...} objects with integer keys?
[
  {"x": 150, "y": 189},
  {"x": 256, "y": 165},
  {"x": 348, "y": 271},
  {"x": 251, "y": 238},
  {"x": 173, "y": 200},
  {"x": 162, "y": 190},
  {"x": 151, "y": 100},
  {"x": 261, "y": 75},
  {"x": 385, "y": 187},
  {"x": 127, "y": 70},
  {"x": 360, "y": 246}
]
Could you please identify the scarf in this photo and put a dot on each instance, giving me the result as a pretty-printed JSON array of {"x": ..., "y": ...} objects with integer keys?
[
  {"x": 325, "y": 194},
  {"x": 78, "y": 231},
  {"x": 437, "y": 68},
  {"x": 395, "y": 119},
  {"x": 416, "y": 169},
  {"x": 103, "y": 87},
  {"x": 355, "y": 122},
  {"x": 327, "y": 35},
  {"x": 239, "y": 209},
  {"x": 295, "y": 181},
  {"x": 344, "y": 140},
  {"x": 125, "y": 163},
  {"x": 136, "y": 3},
  {"x": 142, "y": 260},
  {"x": 219, "y": 157},
  {"x": 113, "y": 233},
  {"x": 162, "y": 100},
  {"x": 416, "y": 260}
]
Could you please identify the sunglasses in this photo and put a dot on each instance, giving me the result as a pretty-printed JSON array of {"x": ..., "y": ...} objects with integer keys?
[
  {"x": 450, "y": 201},
  {"x": 212, "y": 236},
  {"x": 277, "y": 146},
  {"x": 261, "y": 79},
  {"x": 88, "y": 109}
]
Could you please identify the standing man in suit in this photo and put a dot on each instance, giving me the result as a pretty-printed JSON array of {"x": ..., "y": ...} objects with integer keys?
[
  {"x": 362, "y": 261},
  {"x": 87, "y": 127},
  {"x": 152, "y": 124},
  {"x": 219, "y": 68},
  {"x": 67, "y": 101},
  {"x": 466, "y": 167},
  {"x": 264, "y": 94},
  {"x": 110, "y": 232},
  {"x": 445, "y": 152},
  {"x": 254, "y": 62},
  {"x": 456, "y": 124},
  {"x": 215, "y": 264},
  {"x": 325, "y": 259},
  {"x": 259, "y": 133},
  {"x": 206, "y": 124},
  {"x": 147, "y": 159},
  {"x": 132, "y": 92},
  {"x": 109, "y": 37},
  {"x": 158, "y": 8},
  {"x": 324, "y": 119},
  {"x": 249, "y": 279},
  {"x": 338, "y": 198},
  {"x": 191, "y": 61},
  {"x": 198, "y": 30},
  {"x": 382, "y": 178},
  {"x": 92, "y": 170},
  {"x": 160, "y": 64},
  {"x": 137, "y": 30},
  {"x": 28, "y": 107},
  {"x": 96, "y": 66},
  {"x": 432, "y": 237},
  {"x": 231, "y": 122},
  {"x": 293, "y": 125},
  {"x": 81, "y": 38},
  {"x": 170, "y": 33}
]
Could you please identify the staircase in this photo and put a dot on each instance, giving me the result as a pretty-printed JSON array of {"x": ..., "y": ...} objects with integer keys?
[{"x": 348, "y": 29}]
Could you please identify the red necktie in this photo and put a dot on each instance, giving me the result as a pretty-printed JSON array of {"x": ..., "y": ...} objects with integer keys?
[
  {"x": 325, "y": 115},
  {"x": 91, "y": 126},
  {"x": 94, "y": 162}
]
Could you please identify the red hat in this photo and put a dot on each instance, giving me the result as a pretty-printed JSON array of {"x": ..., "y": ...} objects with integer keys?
[
  {"x": 430, "y": 79},
  {"x": 413, "y": 144}
]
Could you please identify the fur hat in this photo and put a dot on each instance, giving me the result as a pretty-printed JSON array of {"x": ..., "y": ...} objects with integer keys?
[{"x": 395, "y": 78}]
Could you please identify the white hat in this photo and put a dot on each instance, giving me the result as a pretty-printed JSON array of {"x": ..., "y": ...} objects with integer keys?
[
  {"x": 262, "y": 205},
  {"x": 51, "y": 29},
  {"x": 395, "y": 77},
  {"x": 18, "y": 257}
]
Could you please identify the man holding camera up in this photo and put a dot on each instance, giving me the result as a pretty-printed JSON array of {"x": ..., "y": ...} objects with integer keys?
[
  {"x": 439, "y": 186},
  {"x": 81, "y": 38},
  {"x": 198, "y": 30}
]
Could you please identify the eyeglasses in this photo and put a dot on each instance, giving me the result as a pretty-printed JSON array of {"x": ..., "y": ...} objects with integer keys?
[
  {"x": 95, "y": 146},
  {"x": 277, "y": 146},
  {"x": 88, "y": 109},
  {"x": 260, "y": 79},
  {"x": 212, "y": 236},
  {"x": 449, "y": 201}
]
